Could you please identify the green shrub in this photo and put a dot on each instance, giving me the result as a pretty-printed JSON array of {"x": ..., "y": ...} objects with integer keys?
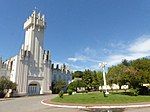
[
  {"x": 76, "y": 84},
  {"x": 144, "y": 90},
  {"x": 69, "y": 91},
  {"x": 61, "y": 94},
  {"x": 5, "y": 85},
  {"x": 2, "y": 94},
  {"x": 58, "y": 86},
  {"x": 86, "y": 91},
  {"x": 134, "y": 92}
]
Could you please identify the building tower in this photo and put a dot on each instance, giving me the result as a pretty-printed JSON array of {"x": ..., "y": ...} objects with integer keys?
[
  {"x": 33, "y": 65},
  {"x": 34, "y": 36}
]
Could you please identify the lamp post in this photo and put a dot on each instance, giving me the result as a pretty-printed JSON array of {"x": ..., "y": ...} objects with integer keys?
[{"x": 105, "y": 91}]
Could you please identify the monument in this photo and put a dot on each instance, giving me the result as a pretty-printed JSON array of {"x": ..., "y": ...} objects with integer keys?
[{"x": 104, "y": 88}]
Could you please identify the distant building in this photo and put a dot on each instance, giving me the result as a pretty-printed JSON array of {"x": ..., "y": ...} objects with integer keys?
[
  {"x": 62, "y": 73},
  {"x": 3, "y": 70}
]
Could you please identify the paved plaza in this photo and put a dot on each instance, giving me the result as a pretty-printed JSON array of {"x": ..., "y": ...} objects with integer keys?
[{"x": 33, "y": 104}]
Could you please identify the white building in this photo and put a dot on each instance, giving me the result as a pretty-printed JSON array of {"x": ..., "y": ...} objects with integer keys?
[
  {"x": 3, "y": 70},
  {"x": 31, "y": 68},
  {"x": 61, "y": 73}
]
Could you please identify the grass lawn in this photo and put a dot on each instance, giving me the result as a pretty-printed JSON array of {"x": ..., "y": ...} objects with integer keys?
[{"x": 98, "y": 98}]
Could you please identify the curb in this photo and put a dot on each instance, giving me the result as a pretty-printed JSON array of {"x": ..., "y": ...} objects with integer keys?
[
  {"x": 94, "y": 107},
  {"x": 5, "y": 99}
]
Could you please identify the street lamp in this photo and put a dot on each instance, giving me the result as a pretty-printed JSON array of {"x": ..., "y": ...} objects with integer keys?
[{"x": 105, "y": 91}]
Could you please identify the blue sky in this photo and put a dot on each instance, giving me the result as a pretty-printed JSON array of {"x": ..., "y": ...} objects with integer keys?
[{"x": 81, "y": 33}]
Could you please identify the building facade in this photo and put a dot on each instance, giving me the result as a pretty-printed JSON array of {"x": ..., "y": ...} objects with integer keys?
[
  {"x": 61, "y": 72},
  {"x": 3, "y": 70},
  {"x": 31, "y": 68}
]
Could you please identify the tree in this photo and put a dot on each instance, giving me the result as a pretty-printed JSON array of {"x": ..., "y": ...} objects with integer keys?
[
  {"x": 135, "y": 73},
  {"x": 88, "y": 79},
  {"x": 97, "y": 80},
  {"x": 77, "y": 74},
  {"x": 143, "y": 68},
  {"x": 75, "y": 84},
  {"x": 58, "y": 86},
  {"x": 125, "y": 62},
  {"x": 115, "y": 74},
  {"x": 92, "y": 79},
  {"x": 5, "y": 85}
]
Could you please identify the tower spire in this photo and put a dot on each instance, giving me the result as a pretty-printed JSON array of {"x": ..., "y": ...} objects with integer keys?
[{"x": 35, "y": 8}]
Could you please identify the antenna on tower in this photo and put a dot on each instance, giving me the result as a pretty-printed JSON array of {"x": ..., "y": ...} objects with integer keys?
[{"x": 35, "y": 9}]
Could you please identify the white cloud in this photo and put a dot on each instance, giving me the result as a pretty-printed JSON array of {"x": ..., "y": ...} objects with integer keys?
[
  {"x": 115, "y": 59},
  {"x": 142, "y": 44},
  {"x": 106, "y": 51},
  {"x": 117, "y": 44},
  {"x": 78, "y": 58},
  {"x": 115, "y": 54},
  {"x": 76, "y": 67},
  {"x": 137, "y": 49},
  {"x": 82, "y": 58},
  {"x": 89, "y": 51},
  {"x": 85, "y": 55},
  {"x": 73, "y": 59}
]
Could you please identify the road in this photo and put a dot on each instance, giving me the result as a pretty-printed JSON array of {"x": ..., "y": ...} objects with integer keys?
[{"x": 33, "y": 104}]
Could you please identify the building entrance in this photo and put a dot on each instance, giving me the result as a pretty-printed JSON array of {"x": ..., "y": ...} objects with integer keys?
[{"x": 34, "y": 89}]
